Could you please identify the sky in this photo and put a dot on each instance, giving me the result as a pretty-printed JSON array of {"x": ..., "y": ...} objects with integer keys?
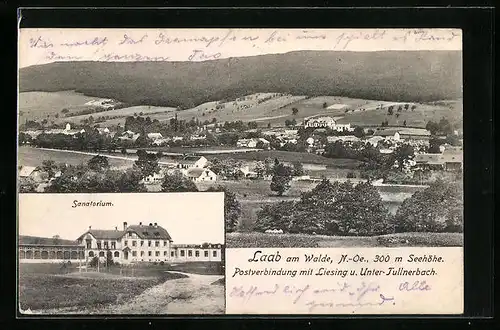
[
  {"x": 190, "y": 218},
  {"x": 40, "y": 46}
]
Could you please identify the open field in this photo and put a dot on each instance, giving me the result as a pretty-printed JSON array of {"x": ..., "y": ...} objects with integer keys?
[
  {"x": 41, "y": 105},
  {"x": 143, "y": 110},
  {"x": 417, "y": 118},
  {"x": 262, "y": 240},
  {"x": 28, "y": 156},
  {"x": 42, "y": 287},
  {"x": 233, "y": 111},
  {"x": 289, "y": 156}
]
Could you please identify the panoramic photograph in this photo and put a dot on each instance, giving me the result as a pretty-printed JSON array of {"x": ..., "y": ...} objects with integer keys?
[
  {"x": 101, "y": 254},
  {"x": 333, "y": 138}
]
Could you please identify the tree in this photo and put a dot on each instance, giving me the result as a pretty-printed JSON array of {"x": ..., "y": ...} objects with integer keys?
[
  {"x": 404, "y": 123},
  {"x": 325, "y": 105},
  {"x": 406, "y": 106},
  {"x": 400, "y": 108},
  {"x": 123, "y": 151},
  {"x": 275, "y": 216},
  {"x": 282, "y": 175},
  {"x": 268, "y": 125},
  {"x": 27, "y": 185},
  {"x": 359, "y": 132},
  {"x": 295, "y": 111},
  {"x": 98, "y": 163},
  {"x": 438, "y": 208},
  {"x": 402, "y": 154},
  {"x": 232, "y": 207},
  {"x": 434, "y": 145},
  {"x": 298, "y": 168},
  {"x": 147, "y": 163},
  {"x": 413, "y": 107},
  {"x": 453, "y": 140},
  {"x": 390, "y": 111},
  {"x": 49, "y": 166},
  {"x": 177, "y": 183}
]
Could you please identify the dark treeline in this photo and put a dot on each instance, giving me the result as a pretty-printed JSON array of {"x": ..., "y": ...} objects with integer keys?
[{"x": 386, "y": 76}]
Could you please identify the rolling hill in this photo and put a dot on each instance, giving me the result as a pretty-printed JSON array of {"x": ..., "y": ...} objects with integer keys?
[{"x": 409, "y": 76}]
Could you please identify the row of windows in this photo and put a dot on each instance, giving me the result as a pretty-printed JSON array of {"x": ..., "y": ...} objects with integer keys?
[
  {"x": 196, "y": 253},
  {"x": 105, "y": 244},
  {"x": 134, "y": 243},
  {"x": 116, "y": 254},
  {"x": 51, "y": 255}
]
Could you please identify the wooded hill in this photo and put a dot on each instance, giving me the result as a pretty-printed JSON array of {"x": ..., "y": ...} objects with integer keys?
[{"x": 410, "y": 76}]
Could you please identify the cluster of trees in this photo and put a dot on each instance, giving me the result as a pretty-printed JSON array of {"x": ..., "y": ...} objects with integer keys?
[
  {"x": 96, "y": 177},
  {"x": 347, "y": 209},
  {"x": 91, "y": 139},
  {"x": 443, "y": 127},
  {"x": 329, "y": 209},
  {"x": 400, "y": 108}
]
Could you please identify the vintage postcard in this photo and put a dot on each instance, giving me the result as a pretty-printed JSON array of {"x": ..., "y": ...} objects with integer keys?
[{"x": 339, "y": 153}]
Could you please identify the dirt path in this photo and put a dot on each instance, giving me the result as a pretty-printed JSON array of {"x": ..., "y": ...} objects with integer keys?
[{"x": 192, "y": 295}]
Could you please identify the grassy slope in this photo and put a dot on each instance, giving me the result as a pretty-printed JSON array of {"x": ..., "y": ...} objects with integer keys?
[
  {"x": 397, "y": 76},
  {"x": 261, "y": 240}
]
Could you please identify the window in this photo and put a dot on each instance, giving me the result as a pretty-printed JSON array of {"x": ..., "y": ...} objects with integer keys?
[
  {"x": 172, "y": 254},
  {"x": 165, "y": 253},
  {"x": 142, "y": 253},
  {"x": 99, "y": 245},
  {"x": 190, "y": 253},
  {"x": 157, "y": 253},
  {"x": 101, "y": 254},
  {"x": 117, "y": 254},
  {"x": 113, "y": 245},
  {"x": 142, "y": 243},
  {"x": 182, "y": 253},
  {"x": 91, "y": 253},
  {"x": 134, "y": 253},
  {"x": 206, "y": 254},
  {"x": 157, "y": 243},
  {"x": 134, "y": 243},
  {"x": 214, "y": 253},
  {"x": 149, "y": 253},
  {"x": 125, "y": 243},
  {"x": 129, "y": 234},
  {"x": 149, "y": 243},
  {"x": 164, "y": 243},
  {"x": 196, "y": 253},
  {"x": 106, "y": 245}
]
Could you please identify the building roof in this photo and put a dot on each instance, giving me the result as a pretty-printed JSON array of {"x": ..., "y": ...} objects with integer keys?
[
  {"x": 26, "y": 171},
  {"x": 35, "y": 240},
  {"x": 195, "y": 172},
  {"x": 429, "y": 159},
  {"x": 143, "y": 231},
  {"x": 150, "y": 232},
  {"x": 387, "y": 132},
  {"x": 452, "y": 156}
]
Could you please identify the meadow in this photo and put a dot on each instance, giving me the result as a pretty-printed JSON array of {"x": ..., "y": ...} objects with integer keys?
[
  {"x": 143, "y": 110},
  {"x": 28, "y": 156},
  {"x": 263, "y": 240},
  {"x": 44, "y": 286},
  {"x": 46, "y": 105}
]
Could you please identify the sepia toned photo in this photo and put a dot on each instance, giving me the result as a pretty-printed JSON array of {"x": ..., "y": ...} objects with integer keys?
[
  {"x": 120, "y": 254},
  {"x": 337, "y": 155},
  {"x": 319, "y": 138}
]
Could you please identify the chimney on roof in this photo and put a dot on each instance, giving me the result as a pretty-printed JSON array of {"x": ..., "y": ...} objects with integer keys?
[
  {"x": 124, "y": 226},
  {"x": 90, "y": 227},
  {"x": 140, "y": 224},
  {"x": 150, "y": 225},
  {"x": 116, "y": 228},
  {"x": 156, "y": 225}
]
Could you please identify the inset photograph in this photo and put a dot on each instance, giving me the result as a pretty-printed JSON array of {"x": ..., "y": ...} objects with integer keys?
[{"x": 121, "y": 253}]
